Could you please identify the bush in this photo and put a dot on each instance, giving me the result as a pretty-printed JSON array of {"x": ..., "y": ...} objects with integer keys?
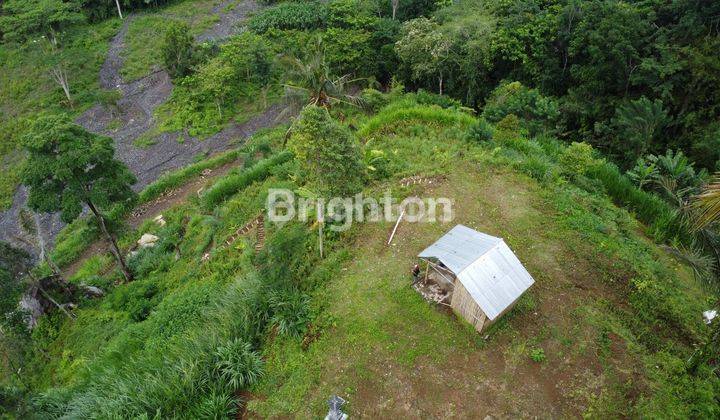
[
  {"x": 479, "y": 132},
  {"x": 177, "y": 49},
  {"x": 237, "y": 365},
  {"x": 424, "y": 97},
  {"x": 328, "y": 154},
  {"x": 577, "y": 159},
  {"x": 290, "y": 15},
  {"x": 290, "y": 312},
  {"x": 538, "y": 355},
  {"x": 234, "y": 183},
  {"x": 374, "y": 99},
  {"x": 537, "y": 112}
]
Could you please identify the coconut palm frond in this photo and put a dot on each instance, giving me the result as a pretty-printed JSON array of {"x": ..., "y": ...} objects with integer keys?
[
  {"x": 702, "y": 264},
  {"x": 707, "y": 205}
]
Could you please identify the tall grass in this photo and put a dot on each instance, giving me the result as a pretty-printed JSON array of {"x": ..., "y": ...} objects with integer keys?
[
  {"x": 390, "y": 117},
  {"x": 649, "y": 208},
  {"x": 230, "y": 185},
  {"x": 177, "y": 178}
]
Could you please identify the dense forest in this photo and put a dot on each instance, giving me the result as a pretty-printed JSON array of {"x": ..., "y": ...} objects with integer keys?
[{"x": 585, "y": 131}]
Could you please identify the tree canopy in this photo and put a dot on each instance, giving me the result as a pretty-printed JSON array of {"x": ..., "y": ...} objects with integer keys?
[
  {"x": 68, "y": 167},
  {"x": 328, "y": 153},
  {"x": 25, "y": 19}
]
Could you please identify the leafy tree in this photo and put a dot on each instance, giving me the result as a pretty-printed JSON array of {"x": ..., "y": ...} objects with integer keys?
[
  {"x": 43, "y": 22},
  {"x": 538, "y": 113},
  {"x": 177, "y": 49},
  {"x": 425, "y": 49},
  {"x": 68, "y": 167},
  {"x": 328, "y": 154}
]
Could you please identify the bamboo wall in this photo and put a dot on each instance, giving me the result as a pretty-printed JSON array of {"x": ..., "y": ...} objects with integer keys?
[{"x": 464, "y": 305}]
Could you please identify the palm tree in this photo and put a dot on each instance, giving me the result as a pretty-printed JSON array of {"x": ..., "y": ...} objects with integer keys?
[
  {"x": 707, "y": 205},
  {"x": 313, "y": 83}
]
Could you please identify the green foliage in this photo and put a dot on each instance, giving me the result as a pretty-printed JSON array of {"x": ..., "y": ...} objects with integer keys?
[
  {"x": 672, "y": 176},
  {"x": 237, "y": 365},
  {"x": 290, "y": 312},
  {"x": 68, "y": 167},
  {"x": 348, "y": 51},
  {"x": 177, "y": 49},
  {"x": 24, "y": 20},
  {"x": 640, "y": 123},
  {"x": 290, "y": 15},
  {"x": 479, "y": 132},
  {"x": 537, "y": 113},
  {"x": 230, "y": 185},
  {"x": 424, "y": 49},
  {"x": 374, "y": 99},
  {"x": 649, "y": 208},
  {"x": 328, "y": 154},
  {"x": 677, "y": 394},
  {"x": 391, "y": 116},
  {"x": 205, "y": 100},
  {"x": 538, "y": 355},
  {"x": 578, "y": 159}
]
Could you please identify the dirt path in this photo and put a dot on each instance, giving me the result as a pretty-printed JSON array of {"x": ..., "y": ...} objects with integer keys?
[
  {"x": 152, "y": 209},
  {"x": 132, "y": 117}
]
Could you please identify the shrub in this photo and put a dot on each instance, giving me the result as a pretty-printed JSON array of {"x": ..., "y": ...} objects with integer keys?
[
  {"x": 479, "y": 132},
  {"x": 328, "y": 154},
  {"x": 234, "y": 183},
  {"x": 537, "y": 112},
  {"x": 290, "y": 15},
  {"x": 374, "y": 99},
  {"x": 290, "y": 312},
  {"x": 577, "y": 159},
  {"x": 538, "y": 355},
  {"x": 424, "y": 97},
  {"x": 237, "y": 365},
  {"x": 177, "y": 49}
]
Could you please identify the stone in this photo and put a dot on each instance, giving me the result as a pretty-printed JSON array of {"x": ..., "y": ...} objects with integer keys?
[
  {"x": 148, "y": 240},
  {"x": 159, "y": 220},
  {"x": 92, "y": 291}
]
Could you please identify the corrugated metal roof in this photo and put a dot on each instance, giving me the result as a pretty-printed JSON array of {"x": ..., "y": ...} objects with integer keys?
[{"x": 485, "y": 265}]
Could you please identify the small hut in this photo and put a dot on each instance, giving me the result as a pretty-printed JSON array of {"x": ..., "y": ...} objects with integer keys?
[{"x": 480, "y": 274}]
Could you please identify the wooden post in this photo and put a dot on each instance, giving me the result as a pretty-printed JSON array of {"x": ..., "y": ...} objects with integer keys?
[
  {"x": 321, "y": 221},
  {"x": 396, "y": 226}
]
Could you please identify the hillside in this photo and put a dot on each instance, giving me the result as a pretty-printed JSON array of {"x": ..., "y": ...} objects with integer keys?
[
  {"x": 612, "y": 313},
  {"x": 146, "y": 271}
]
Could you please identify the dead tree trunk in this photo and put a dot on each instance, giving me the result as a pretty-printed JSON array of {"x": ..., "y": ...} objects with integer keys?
[
  {"x": 113, "y": 244},
  {"x": 395, "y": 4}
]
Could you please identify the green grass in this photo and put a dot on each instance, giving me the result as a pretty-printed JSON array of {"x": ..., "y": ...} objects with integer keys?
[
  {"x": 230, "y": 185},
  {"x": 379, "y": 331},
  {"x": 145, "y": 34},
  {"x": 607, "y": 309},
  {"x": 27, "y": 89}
]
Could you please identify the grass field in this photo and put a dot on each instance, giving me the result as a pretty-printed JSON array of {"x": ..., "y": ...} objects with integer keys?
[{"x": 389, "y": 353}]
